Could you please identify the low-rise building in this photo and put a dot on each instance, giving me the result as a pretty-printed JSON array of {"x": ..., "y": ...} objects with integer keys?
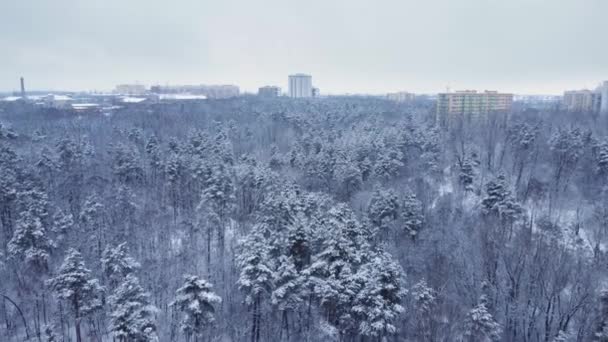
[
  {"x": 269, "y": 91},
  {"x": 56, "y": 101},
  {"x": 130, "y": 89},
  {"x": 401, "y": 96},
  {"x": 209, "y": 91}
]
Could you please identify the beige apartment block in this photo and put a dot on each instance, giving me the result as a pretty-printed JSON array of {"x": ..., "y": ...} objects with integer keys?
[{"x": 471, "y": 102}]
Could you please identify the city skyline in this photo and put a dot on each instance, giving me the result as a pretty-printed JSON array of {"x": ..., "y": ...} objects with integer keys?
[
  {"x": 374, "y": 48},
  {"x": 591, "y": 86}
]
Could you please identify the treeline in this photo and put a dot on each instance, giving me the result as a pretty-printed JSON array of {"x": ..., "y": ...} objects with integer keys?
[{"x": 338, "y": 219}]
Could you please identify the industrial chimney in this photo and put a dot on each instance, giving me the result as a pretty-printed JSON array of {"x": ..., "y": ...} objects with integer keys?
[{"x": 22, "y": 88}]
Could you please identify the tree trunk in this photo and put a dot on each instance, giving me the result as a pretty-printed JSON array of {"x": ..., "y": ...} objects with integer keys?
[{"x": 77, "y": 328}]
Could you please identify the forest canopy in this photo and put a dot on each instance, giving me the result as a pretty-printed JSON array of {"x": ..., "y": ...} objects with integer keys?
[{"x": 333, "y": 219}]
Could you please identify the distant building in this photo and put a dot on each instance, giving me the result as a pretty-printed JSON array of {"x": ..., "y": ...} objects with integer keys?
[
  {"x": 208, "y": 91},
  {"x": 300, "y": 86},
  {"x": 402, "y": 96},
  {"x": 23, "y": 95},
  {"x": 586, "y": 101},
  {"x": 269, "y": 91},
  {"x": 603, "y": 90},
  {"x": 56, "y": 101},
  {"x": 536, "y": 102},
  {"x": 86, "y": 107},
  {"x": 316, "y": 92},
  {"x": 130, "y": 89},
  {"x": 470, "y": 102},
  {"x": 581, "y": 101}
]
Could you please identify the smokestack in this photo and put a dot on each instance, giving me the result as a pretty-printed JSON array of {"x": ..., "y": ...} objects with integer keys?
[{"x": 22, "y": 88}]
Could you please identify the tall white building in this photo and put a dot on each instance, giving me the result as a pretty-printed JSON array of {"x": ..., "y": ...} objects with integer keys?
[
  {"x": 300, "y": 85},
  {"x": 604, "y": 101}
]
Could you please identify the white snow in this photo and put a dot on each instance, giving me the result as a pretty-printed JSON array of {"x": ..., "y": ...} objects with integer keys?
[
  {"x": 181, "y": 97},
  {"x": 11, "y": 98},
  {"x": 133, "y": 99}
]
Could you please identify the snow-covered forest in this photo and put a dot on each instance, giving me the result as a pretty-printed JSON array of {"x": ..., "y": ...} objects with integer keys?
[{"x": 336, "y": 219}]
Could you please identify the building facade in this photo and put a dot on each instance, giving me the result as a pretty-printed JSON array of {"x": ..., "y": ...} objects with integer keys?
[
  {"x": 471, "y": 102},
  {"x": 586, "y": 101},
  {"x": 269, "y": 91},
  {"x": 130, "y": 89},
  {"x": 604, "y": 98},
  {"x": 221, "y": 91},
  {"x": 402, "y": 97},
  {"x": 579, "y": 101},
  {"x": 300, "y": 86}
]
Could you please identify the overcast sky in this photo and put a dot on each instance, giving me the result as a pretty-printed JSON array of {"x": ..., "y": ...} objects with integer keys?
[{"x": 372, "y": 46}]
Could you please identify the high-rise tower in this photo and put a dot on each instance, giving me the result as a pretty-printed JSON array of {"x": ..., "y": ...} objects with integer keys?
[
  {"x": 300, "y": 85},
  {"x": 22, "y": 88},
  {"x": 604, "y": 103}
]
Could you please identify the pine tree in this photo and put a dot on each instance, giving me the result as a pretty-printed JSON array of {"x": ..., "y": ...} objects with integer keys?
[
  {"x": 377, "y": 305},
  {"x": 117, "y": 264},
  {"x": 196, "y": 300},
  {"x": 383, "y": 208},
  {"x": 126, "y": 165},
  {"x": 466, "y": 175},
  {"x": 342, "y": 249},
  {"x": 175, "y": 174},
  {"x": 92, "y": 220},
  {"x": 424, "y": 302},
  {"x": 31, "y": 242},
  {"x": 348, "y": 177},
  {"x": 480, "y": 326},
  {"x": 77, "y": 287},
  {"x": 8, "y": 191},
  {"x": 299, "y": 241},
  {"x": 276, "y": 161},
  {"x": 132, "y": 314},
  {"x": 499, "y": 202},
  {"x": 388, "y": 164},
  {"x": 288, "y": 282},
  {"x": 602, "y": 159},
  {"x": 256, "y": 276},
  {"x": 601, "y": 333},
  {"x": 411, "y": 214},
  {"x": 153, "y": 152},
  {"x": 289, "y": 290}
]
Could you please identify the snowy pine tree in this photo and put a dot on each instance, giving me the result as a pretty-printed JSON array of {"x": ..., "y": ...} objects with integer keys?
[
  {"x": 132, "y": 314},
  {"x": 411, "y": 214},
  {"x": 499, "y": 202},
  {"x": 75, "y": 285},
  {"x": 601, "y": 333},
  {"x": 196, "y": 300},
  {"x": 480, "y": 326},
  {"x": 256, "y": 276},
  {"x": 31, "y": 242},
  {"x": 424, "y": 298},
  {"x": 117, "y": 264},
  {"x": 383, "y": 208},
  {"x": 602, "y": 159},
  {"x": 377, "y": 305}
]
